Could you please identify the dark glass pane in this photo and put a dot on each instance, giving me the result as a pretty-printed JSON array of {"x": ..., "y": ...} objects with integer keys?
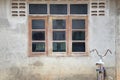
[
  {"x": 78, "y": 47},
  {"x": 78, "y": 35},
  {"x": 38, "y": 47},
  {"x": 37, "y": 8},
  {"x": 38, "y": 35},
  {"x": 59, "y": 47},
  {"x": 38, "y": 24},
  {"x": 78, "y": 9},
  {"x": 58, "y": 8},
  {"x": 59, "y": 35},
  {"x": 59, "y": 24},
  {"x": 78, "y": 24}
]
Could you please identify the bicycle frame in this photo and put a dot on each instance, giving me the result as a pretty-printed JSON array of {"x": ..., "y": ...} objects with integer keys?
[{"x": 101, "y": 72}]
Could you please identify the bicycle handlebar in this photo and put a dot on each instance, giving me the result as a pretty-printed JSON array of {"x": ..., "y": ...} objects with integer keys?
[{"x": 108, "y": 50}]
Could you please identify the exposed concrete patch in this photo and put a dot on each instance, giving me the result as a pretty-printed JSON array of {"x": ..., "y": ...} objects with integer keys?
[{"x": 38, "y": 63}]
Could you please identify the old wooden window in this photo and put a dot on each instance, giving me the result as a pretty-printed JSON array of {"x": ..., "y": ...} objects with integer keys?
[
  {"x": 58, "y": 8},
  {"x": 58, "y": 29},
  {"x": 38, "y": 35},
  {"x": 78, "y": 34},
  {"x": 38, "y": 9},
  {"x": 78, "y": 8}
]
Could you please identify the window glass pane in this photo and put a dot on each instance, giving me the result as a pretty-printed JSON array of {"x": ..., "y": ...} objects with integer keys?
[
  {"x": 37, "y": 8},
  {"x": 78, "y": 9},
  {"x": 78, "y": 47},
  {"x": 59, "y": 35},
  {"x": 59, "y": 47},
  {"x": 78, "y": 35},
  {"x": 78, "y": 24},
  {"x": 38, "y": 35},
  {"x": 59, "y": 24},
  {"x": 38, "y": 47},
  {"x": 58, "y": 8},
  {"x": 38, "y": 24}
]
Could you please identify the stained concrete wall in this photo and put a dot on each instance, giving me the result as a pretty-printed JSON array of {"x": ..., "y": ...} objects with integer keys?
[
  {"x": 16, "y": 65},
  {"x": 118, "y": 39},
  {"x": 2, "y": 8}
]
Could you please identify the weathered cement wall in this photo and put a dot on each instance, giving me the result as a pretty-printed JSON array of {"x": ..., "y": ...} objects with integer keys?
[
  {"x": 16, "y": 65},
  {"x": 2, "y": 8},
  {"x": 118, "y": 39}
]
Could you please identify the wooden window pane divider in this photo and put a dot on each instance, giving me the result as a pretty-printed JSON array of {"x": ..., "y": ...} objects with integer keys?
[
  {"x": 78, "y": 53},
  {"x": 78, "y": 40},
  {"x": 59, "y": 41},
  {"x": 38, "y": 30},
  {"x": 38, "y": 53},
  {"x": 78, "y": 30},
  {"x": 38, "y": 41},
  {"x": 58, "y": 30},
  {"x": 59, "y": 53}
]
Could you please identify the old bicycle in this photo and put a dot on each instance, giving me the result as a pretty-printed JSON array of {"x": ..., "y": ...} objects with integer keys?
[{"x": 101, "y": 71}]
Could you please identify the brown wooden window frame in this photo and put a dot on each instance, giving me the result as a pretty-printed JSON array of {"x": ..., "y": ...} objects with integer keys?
[
  {"x": 49, "y": 34},
  {"x": 82, "y": 41},
  {"x": 31, "y": 53}
]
